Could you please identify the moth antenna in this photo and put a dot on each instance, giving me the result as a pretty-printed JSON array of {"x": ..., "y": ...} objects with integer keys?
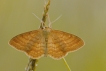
[
  {"x": 57, "y": 19},
  {"x": 45, "y": 1},
  {"x": 37, "y": 17},
  {"x": 53, "y": 21}
]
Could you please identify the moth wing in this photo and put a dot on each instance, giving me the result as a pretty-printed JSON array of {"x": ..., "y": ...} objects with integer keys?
[
  {"x": 30, "y": 42},
  {"x": 60, "y": 43}
]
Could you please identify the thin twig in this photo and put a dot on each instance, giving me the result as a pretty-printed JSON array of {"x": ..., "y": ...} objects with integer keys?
[{"x": 31, "y": 64}]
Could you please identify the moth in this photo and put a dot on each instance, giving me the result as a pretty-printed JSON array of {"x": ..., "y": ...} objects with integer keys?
[{"x": 46, "y": 42}]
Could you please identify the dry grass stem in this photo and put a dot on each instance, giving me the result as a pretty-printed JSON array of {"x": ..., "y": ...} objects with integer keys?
[
  {"x": 45, "y": 14},
  {"x": 31, "y": 64}
]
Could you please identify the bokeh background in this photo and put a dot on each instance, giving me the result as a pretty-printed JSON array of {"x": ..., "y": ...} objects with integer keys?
[{"x": 84, "y": 18}]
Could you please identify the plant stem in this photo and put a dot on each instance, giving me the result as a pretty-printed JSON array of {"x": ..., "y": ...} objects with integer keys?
[
  {"x": 31, "y": 64},
  {"x": 66, "y": 64},
  {"x": 45, "y": 14}
]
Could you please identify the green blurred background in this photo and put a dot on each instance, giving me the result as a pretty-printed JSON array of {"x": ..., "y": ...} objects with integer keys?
[{"x": 84, "y": 18}]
